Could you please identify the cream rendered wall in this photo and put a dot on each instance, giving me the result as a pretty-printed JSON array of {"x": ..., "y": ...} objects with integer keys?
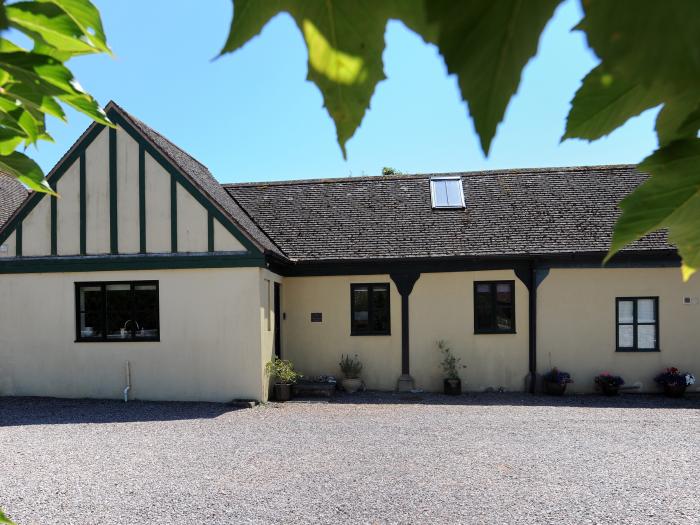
[
  {"x": 11, "y": 244},
  {"x": 442, "y": 307},
  {"x": 191, "y": 223},
  {"x": 224, "y": 241},
  {"x": 128, "y": 193},
  {"x": 209, "y": 348},
  {"x": 68, "y": 212},
  {"x": 36, "y": 229},
  {"x": 97, "y": 194},
  {"x": 316, "y": 348},
  {"x": 576, "y": 324},
  {"x": 157, "y": 207}
]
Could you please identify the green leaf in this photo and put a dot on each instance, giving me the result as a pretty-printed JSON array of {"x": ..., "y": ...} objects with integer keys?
[
  {"x": 605, "y": 102},
  {"x": 26, "y": 171},
  {"x": 486, "y": 44},
  {"x": 9, "y": 140},
  {"x": 678, "y": 118},
  {"x": 87, "y": 18},
  {"x": 345, "y": 42},
  {"x": 34, "y": 99},
  {"x": 87, "y": 105},
  {"x": 4, "y": 520},
  {"x": 50, "y": 24},
  {"x": 648, "y": 41},
  {"x": 670, "y": 199}
]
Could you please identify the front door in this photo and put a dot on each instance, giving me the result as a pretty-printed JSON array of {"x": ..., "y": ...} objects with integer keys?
[{"x": 278, "y": 322}]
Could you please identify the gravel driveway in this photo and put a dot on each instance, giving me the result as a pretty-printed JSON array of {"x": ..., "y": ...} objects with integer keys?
[{"x": 487, "y": 458}]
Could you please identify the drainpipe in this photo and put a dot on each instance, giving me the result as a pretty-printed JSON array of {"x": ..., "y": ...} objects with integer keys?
[{"x": 128, "y": 382}]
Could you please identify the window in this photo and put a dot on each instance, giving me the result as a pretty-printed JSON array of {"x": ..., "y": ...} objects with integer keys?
[
  {"x": 369, "y": 309},
  {"x": 494, "y": 307},
  {"x": 117, "y": 311},
  {"x": 446, "y": 192},
  {"x": 637, "y": 320}
]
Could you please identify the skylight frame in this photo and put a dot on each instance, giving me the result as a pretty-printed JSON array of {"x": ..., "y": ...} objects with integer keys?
[{"x": 435, "y": 206}]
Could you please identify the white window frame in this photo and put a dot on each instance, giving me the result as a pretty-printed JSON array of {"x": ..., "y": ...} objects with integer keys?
[{"x": 432, "y": 193}]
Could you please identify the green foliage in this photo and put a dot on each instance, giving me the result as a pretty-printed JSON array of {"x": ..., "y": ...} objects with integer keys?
[
  {"x": 4, "y": 520},
  {"x": 387, "y": 170},
  {"x": 649, "y": 53},
  {"x": 34, "y": 82},
  {"x": 351, "y": 367},
  {"x": 449, "y": 362},
  {"x": 282, "y": 371}
]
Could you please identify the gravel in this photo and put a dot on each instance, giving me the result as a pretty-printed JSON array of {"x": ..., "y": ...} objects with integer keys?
[{"x": 370, "y": 458}]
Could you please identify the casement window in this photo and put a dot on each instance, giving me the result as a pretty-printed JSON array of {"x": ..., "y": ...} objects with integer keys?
[
  {"x": 494, "y": 307},
  {"x": 117, "y": 311},
  {"x": 637, "y": 323},
  {"x": 446, "y": 192},
  {"x": 369, "y": 309}
]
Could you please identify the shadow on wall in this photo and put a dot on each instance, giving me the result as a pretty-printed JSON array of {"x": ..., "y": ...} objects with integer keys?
[
  {"x": 17, "y": 411},
  {"x": 643, "y": 401}
]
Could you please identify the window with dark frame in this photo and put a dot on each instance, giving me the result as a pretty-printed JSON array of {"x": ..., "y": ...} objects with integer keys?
[
  {"x": 494, "y": 307},
  {"x": 369, "y": 309},
  {"x": 637, "y": 324},
  {"x": 117, "y": 311}
]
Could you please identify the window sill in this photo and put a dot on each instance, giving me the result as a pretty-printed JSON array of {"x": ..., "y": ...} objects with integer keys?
[
  {"x": 491, "y": 332},
  {"x": 637, "y": 350},
  {"x": 354, "y": 334},
  {"x": 144, "y": 340}
]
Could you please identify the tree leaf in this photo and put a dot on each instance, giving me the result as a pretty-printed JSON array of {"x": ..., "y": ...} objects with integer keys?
[
  {"x": 87, "y": 18},
  {"x": 4, "y": 520},
  {"x": 670, "y": 198},
  {"x": 677, "y": 119},
  {"x": 605, "y": 102},
  {"x": 26, "y": 171},
  {"x": 345, "y": 42},
  {"x": 486, "y": 44},
  {"x": 50, "y": 24}
]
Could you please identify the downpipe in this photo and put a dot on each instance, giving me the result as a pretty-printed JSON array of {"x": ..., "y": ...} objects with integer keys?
[{"x": 128, "y": 381}]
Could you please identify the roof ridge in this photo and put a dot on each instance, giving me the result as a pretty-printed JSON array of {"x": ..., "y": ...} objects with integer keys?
[{"x": 505, "y": 171}]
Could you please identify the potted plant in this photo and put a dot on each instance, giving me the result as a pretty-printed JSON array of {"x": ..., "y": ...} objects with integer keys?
[
  {"x": 351, "y": 368},
  {"x": 282, "y": 371},
  {"x": 555, "y": 381},
  {"x": 608, "y": 383},
  {"x": 673, "y": 382},
  {"x": 452, "y": 383}
]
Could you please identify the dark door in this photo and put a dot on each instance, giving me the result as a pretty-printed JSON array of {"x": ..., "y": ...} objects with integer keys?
[{"x": 278, "y": 322}]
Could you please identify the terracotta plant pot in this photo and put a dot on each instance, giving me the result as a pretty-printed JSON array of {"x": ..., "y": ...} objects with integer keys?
[
  {"x": 453, "y": 387},
  {"x": 674, "y": 390},
  {"x": 283, "y": 392},
  {"x": 351, "y": 385},
  {"x": 554, "y": 389}
]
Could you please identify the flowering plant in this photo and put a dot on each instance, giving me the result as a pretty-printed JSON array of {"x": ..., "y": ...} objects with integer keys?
[
  {"x": 672, "y": 377},
  {"x": 557, "y": 376},
  {"x": 607, "y": 379}
]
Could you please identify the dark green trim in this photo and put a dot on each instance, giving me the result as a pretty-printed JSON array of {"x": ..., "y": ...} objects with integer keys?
[
  {"x": 18, "y": 240},
  {"x": 173, "y": 214},
  {"x": 97, "y": 263},
  {"x": 203, "y": 199},
  {"x": 83, "y": 205},
  {"x": 113, "y": 217},
  {"x": 210, "y": 232},
  {"x": 54, "y": 225},
  {"x": 142, "y": 199},
  {"x": 53, "y": 177}
]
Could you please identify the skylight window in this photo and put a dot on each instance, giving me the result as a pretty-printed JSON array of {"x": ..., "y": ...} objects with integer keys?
[{"x": 446, "y": 192}]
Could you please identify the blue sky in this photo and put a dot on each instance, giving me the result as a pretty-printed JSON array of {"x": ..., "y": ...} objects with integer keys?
[{"x": 252, "y": 115}]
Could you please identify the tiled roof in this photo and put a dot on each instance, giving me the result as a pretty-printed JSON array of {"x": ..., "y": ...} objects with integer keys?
[
  {"x": 12, "y": 194},
  {"x": 200, "y": 175},
  {"x": 511, "y": 212}
]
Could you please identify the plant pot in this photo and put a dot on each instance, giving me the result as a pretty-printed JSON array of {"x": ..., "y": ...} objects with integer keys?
[
  {"x": 351, "y": 385},
  {"x": 453, "y": 387},
  {"x": 610, "y": 390},
  {"x": 674, "y": 390},
  {"x": 283, "y": 392},
  {"x": 554, "y": 389}
]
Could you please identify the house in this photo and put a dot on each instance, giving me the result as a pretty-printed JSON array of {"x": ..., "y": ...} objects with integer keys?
[{"x": 147, "y": 259}]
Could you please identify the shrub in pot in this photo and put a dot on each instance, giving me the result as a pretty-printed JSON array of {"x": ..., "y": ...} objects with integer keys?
[
  {"x": 674, "y": 382},
  {"x": 284, "y": 375},
  {"x": 452, "y": 383},
  {"x": 554, "y": 382},
  {"x": 608, "y": 383},
  {"x": 351, "y": 368}
]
